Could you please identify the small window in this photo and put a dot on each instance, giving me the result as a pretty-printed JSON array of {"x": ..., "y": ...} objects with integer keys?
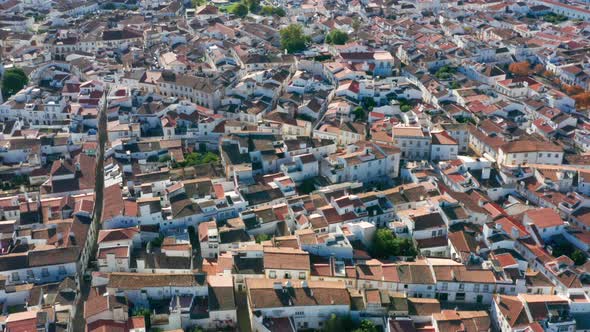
[
  {"x": 272, "y": 274},
  {"x": 301, "y": 275}
]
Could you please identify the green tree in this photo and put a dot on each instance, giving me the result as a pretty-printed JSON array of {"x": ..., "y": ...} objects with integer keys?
[
  {"x": 338, "y": 324},
  {"x": 359, "y": 113},
  {"x": 197, "y": 3},
  {"x": 405, "y": 108},
  {"x": 293, "y": 39},
  {"x": 578, "y": 257},
  {"x": 562, "y": 249},
  {"x": 337, "y": 37},
  {"x": 369, "y": 103},
  {"x": 262, "y": 237},
  {"x": 13, "y": 81},
  {"x": 270, "y": 11},
  {"x": 253, "y": 5},
  {"x": 367, "y": 326},
  {"x": 445, "y": 72},
  {"x": 196, "y": 158},
  {"x": 306, "y": 187},
  {"x": 267, "y": 10},
  {"x": 386, "y": 245},
  {"x": 280, "y": 12},
  {"x": 157, "y": 242},
  {"x": 239, "y": 9}
]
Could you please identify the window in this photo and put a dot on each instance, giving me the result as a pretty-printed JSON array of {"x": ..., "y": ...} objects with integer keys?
[
  {"x": 302, "y": 275},
  {"x": 461, "y": 286},
  {"x": 299, "y": 313},
  {"x": 287, "y": 275},
  {"x": 476, "y": 288},
  {"x": 272, "y": 274},
  {"x": 30, "y": 274},
  {"x": 45, "y": 272},
  {"x": 486, "y": 288},
  {"x": 62, "y": 270},
  {"x": 445, "y": 286},
  {"x": 15, "y": 276}
]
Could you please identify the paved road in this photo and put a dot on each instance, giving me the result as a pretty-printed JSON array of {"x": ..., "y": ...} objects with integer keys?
[{"x": 78, "y": 322}]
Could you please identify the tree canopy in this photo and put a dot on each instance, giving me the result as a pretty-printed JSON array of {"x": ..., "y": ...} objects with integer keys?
[
  {"x": 253, "y": 5},
  {"x": 338, "y": 324},
  {"x": 13, "y": 81},
  {"x": 367, "y": 326},
  {"x": 293, "y": 39},
  {"x": 345, "y": 324},
  {"x": 270, "y": 11},
  {"x": 386, "y": 245},
  {"x": 262, "y": 237},
  {"x": 578, "y": 257},
  {"x": 337, "y": 37},
  {"x": 522, "y": 68},
  {"x": 239, "y": 9},
  {"x": 197, "y": 3},
  {"x": 582, "y": 100},
  {"x": 359, "y": 113},
  {"x": 196, "y": 158}
]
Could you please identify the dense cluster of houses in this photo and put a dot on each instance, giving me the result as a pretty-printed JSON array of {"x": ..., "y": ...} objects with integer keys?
[{"x": 240, "y": 186}]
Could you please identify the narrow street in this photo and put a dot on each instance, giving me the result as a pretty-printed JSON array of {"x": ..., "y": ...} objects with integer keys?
[
  {"x": 243, "y": 314},
  {"x": 78, "y": 321}
]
